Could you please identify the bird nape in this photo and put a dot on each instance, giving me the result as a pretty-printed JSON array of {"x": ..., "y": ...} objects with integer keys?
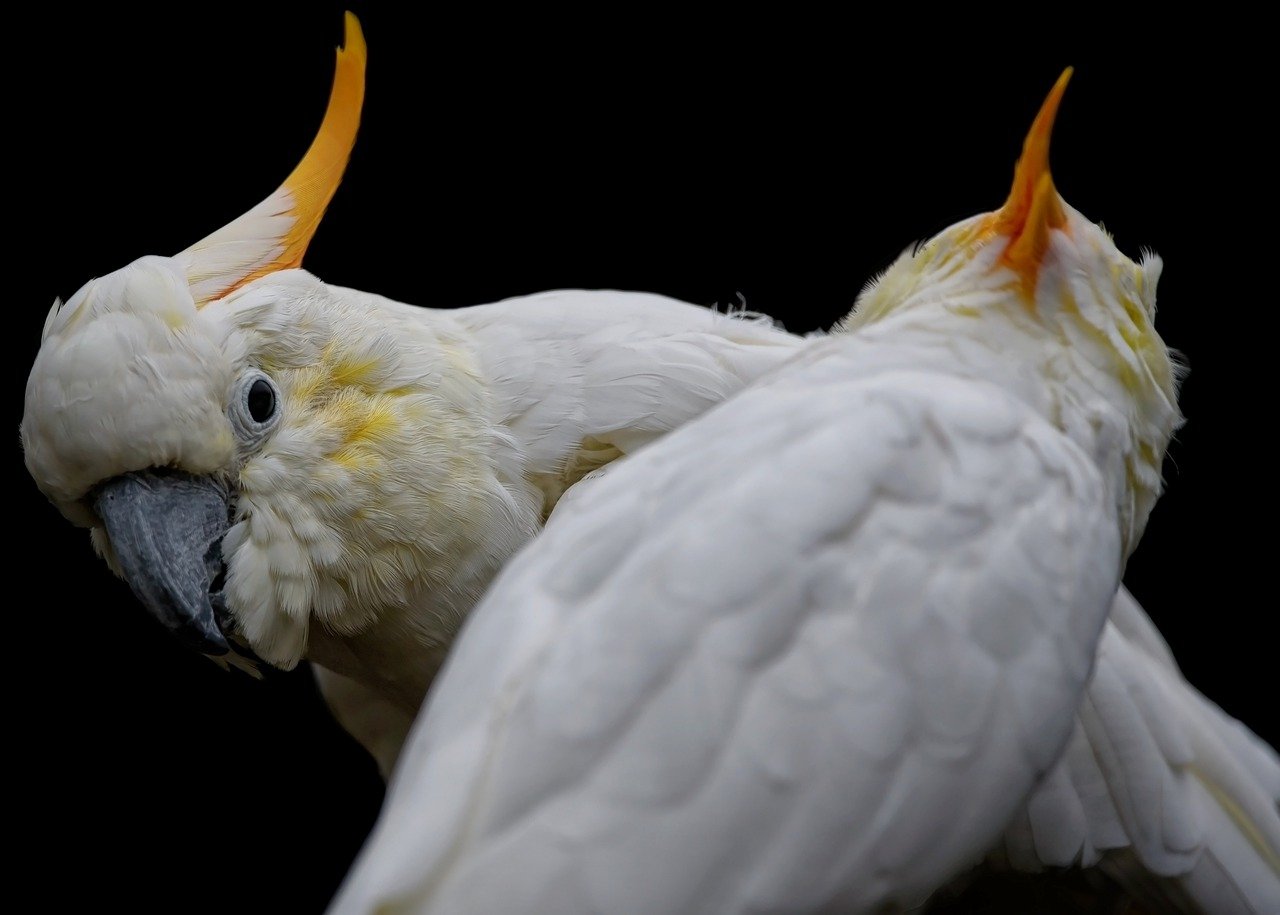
[{"x": 815, "y": 622}]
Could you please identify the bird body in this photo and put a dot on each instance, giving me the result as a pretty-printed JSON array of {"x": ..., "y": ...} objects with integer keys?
[
  {"x": 557, "y": 384},
  {"x": 741, "y": 705},
  {"x": 363, "y": 466},
  {"x": 815, "y": 622},
  {"x": 813, "y": 650},
  {"x": 419, "y": 448}
]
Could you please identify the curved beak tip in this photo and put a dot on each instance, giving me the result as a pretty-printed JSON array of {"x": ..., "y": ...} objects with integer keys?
[{"x": 166, "y": 530}]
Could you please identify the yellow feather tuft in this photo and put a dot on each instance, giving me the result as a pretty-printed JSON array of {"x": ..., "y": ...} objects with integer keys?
[
  {"x": 274, "y": 235},
  {"x": 1033, "y": 208},
  {"x": 315, "y": 180}
]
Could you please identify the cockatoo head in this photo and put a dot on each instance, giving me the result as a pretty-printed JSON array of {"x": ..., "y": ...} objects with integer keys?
[
  {"x": 1037, "y": 270},
  {"x": 158, "y": 387}
]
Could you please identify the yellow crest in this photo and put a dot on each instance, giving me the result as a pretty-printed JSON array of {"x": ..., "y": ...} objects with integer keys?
[{"x": 274, "y": 235}]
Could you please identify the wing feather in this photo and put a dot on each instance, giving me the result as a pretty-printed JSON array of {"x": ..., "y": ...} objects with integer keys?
[
  {"x": 1171, "y": 796},
  {"x": 811, "y": 650}
]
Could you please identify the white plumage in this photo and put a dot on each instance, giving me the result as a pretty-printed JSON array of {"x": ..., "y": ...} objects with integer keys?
[
  {"x": 401, "y": 454},
  {"x": 826, "y": 647},
  {"x": 747, "y": 677},
  {"x": 901, "y": 544},
  {"x": 1177, "y": 801}
]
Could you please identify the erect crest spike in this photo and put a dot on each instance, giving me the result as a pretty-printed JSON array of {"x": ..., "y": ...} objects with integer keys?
[
  {"x": 1033, "y": 208},
  {"x": 1031, "y": 176},
  {"x": 274, "y": 234}
]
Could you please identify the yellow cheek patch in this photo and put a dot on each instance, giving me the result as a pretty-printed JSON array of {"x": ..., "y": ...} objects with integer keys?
[
  {"x": 355, "y": 459},
  {"x": 340, "y": 395},
  {"x": 352, "y": 415},
  {"x": 364, "y": 425},
  {"x": 356, "y": 372},
  {"x": 308, "y": 384},
  {"x": 335, "y": 372},
  {"x": 379, "y": 424}
]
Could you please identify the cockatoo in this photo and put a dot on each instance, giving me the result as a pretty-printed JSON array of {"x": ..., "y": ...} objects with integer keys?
[
  {"x": 829, "y": 646},
  {"x": 567, "y": 381},
  {"x": 288, "y": 469}
]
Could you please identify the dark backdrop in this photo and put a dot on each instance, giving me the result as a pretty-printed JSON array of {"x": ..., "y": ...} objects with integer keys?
[{"x": 783, "y": 162}]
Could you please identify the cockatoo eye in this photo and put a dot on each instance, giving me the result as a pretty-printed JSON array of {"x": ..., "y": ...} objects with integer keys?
[
  {"x": 255, "y": 407},
  {"x": 261, "y": 400}
]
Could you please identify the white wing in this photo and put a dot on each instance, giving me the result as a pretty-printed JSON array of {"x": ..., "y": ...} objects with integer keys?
[
  {"x": 573, "y": 379},
  {"x": 1159, "y": 787},
  {"x": 1178, "y": 801},
  {"x": 618, "y": 369},
  {"x": 809, "y": 651}
]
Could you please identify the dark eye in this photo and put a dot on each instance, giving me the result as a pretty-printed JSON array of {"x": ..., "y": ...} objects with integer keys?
[
  {"x": 254, "y": 407},
  {"x": 261, "y": 401}
]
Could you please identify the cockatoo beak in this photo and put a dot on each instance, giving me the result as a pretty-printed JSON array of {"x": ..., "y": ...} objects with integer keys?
[
  {"x": 1033, "y": 208},
  {"x": 166, "y": 530}
]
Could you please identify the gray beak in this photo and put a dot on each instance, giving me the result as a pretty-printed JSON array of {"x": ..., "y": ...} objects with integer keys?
[{"x": 166, "y": 530}]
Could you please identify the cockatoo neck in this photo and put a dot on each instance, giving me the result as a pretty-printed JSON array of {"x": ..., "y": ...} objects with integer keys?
[
  {"x": 422, "y": 448},
  {"x": 1080, "y": 382},
  {"x": 581, "y": 377},
  {"x": 1071, "y": 330},
  {"x": 373, "y": 516}
]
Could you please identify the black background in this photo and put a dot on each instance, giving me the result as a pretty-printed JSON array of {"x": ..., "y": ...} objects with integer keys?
[{"x": 781, "y": 161}]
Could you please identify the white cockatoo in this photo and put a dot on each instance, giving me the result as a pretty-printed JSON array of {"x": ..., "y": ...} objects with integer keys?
[
  {"x": 544, "y": 389},
  {"x": 829, "y": 646},
  {"x": 289, "y": 469}
]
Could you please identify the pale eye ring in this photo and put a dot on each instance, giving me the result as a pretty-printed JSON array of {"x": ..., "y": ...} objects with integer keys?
[{"x": 255, "y": 406}]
